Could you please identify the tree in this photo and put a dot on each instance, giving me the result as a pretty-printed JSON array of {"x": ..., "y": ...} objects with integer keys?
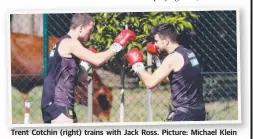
[{"x": 108, "y": 25}]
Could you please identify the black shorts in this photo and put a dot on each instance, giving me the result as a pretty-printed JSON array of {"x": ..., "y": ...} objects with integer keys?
[
  {"x": 188, "y": 115},
  {"x": 52, "y": 111}
]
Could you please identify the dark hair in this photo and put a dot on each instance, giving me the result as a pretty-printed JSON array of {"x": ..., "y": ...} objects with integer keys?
[
  {"x": 165, "y": 31},
  {"x": 80, "y": 19}
]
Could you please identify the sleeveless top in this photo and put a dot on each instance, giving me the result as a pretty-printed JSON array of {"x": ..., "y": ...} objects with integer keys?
[
  {"x": 59, "y": 83},
  {"x": 186, "y": 84}
]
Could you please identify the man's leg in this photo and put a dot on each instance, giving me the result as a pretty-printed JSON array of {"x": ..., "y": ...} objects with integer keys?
[
  {"x": 61, "y": 119},
  {"x": 67, "y": 115},
  {"x": 58, "y": 114}
]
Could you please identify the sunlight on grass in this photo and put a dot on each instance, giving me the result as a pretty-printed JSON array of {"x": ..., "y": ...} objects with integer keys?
[{"x": 135, "y": 107}]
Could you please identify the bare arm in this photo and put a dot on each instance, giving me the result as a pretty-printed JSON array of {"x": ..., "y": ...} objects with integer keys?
[
  {"x": 151, "y": 80},
  {"x": 84, "y": 54}
]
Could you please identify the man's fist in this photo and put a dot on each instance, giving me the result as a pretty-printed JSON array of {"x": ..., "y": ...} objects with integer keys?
[
  {"x": 152, "y": 49},
  {"x": 135, "y": 59},
  {"x": 84, "y": 65},
  {"x": 122, "y": 39},
  {"x": 134, "y": 56}
]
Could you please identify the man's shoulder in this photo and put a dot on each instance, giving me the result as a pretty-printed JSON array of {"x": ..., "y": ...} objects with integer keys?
[
  {"x": 173, "y": 57},
  {"x": 185, "y": 52},
  {"x": 68, "y": 40},
  {"x": 68, "y": 43},
  {"x": 66, "y": 46}
]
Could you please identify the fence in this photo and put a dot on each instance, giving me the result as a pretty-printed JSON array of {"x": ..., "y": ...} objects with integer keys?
[{"x": 214, "y": 42}]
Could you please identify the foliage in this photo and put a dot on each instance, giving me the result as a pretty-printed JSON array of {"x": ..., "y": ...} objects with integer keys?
[{"x": 109, "y": 25}]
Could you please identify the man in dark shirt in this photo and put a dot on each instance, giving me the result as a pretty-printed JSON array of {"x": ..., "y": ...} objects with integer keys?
[
  {"x": 181, "y": 67},
  {"x": 59, "y": 84}
]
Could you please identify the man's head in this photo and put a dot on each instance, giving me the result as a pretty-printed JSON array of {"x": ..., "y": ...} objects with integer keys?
[
  {"x": 82, "y": 24},
  {"x": 165, "y": 36}
]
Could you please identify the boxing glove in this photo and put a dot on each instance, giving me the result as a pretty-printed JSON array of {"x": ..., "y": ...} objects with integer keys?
[
  {"x": 152, "y": 49},
  {"x": 135, "y": 59},
  {"x": 122, "y": 39},
  {"x": 84, "y": 65}
]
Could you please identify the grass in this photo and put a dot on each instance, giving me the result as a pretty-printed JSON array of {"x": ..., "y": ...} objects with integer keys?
[{"x": 135, "y": 107}]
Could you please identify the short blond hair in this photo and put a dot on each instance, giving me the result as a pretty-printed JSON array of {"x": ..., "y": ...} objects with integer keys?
[{"x": 80, "y": 19}]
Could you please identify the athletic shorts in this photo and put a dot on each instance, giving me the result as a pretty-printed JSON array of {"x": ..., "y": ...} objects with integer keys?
[
  {"x": 52, "y": 111},
  {"x": 186, "y": 115}
]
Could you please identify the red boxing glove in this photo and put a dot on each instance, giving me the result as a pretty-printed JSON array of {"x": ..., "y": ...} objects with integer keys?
[
  {"x": 93, "y": 50},
  {"x": 135, "y": 59},
  {"x": 134, "y": 56},
  {"x": 152, "y": 49},
  {"x": 124, "y": 37}
]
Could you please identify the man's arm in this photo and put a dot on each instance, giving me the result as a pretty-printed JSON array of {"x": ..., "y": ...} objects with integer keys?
[
  {"x": 135, "y": 59},
  {"x": 84, "y": 54},
  {"x": 151, "y": 80},
  {"x": 99, "y": 58}
]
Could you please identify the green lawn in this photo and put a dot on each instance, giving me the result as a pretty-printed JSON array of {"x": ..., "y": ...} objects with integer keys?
[{"x": 135, "y": 107}]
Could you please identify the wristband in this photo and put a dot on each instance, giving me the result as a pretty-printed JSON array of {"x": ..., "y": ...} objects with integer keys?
[
  {"x": 137, "y": 67},
  {"x": 115, "y": 47},
  {"x": 84, "y": 65}
]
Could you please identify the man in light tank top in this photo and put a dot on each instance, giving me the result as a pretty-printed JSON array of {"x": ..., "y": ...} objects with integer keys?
[
  {"x": 57, "y": 102},
  {"x": 182, "y": 69}
]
